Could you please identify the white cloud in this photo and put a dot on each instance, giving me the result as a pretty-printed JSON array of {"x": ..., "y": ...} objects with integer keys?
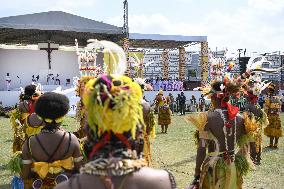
[
  {"x": 258, "y": 25},
  {"x": 40, "y": 5},
  {"x": 247, "y": 27},
  {"x": 274, "y": 6}
]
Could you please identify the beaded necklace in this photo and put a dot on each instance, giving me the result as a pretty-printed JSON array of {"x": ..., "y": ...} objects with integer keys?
[
  {"x": 225, "y": 126},
  {"x": 52, "y": 131}
]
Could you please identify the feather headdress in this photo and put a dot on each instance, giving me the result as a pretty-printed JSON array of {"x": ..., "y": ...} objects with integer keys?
[
  {"x": 253, "y": 75},
  {"x": 112, "y": 101}
]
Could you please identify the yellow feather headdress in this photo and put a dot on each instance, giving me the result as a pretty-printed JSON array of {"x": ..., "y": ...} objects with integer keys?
[
  {"x": 113, "y": 101},
  {"x": 113, "y": 104}
]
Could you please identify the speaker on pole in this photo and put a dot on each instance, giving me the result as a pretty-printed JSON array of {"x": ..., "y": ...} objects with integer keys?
[{"x": 243, "y": 61}]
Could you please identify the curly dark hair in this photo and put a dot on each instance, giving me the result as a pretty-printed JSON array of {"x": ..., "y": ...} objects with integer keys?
[
  {"x": 52, "y": 105},
  {"x": 216, "y": 86},
  {"x": 28, "y": 92}
]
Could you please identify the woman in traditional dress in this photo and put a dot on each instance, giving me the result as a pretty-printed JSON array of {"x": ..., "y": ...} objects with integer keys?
[
  {"x": 80, "y": 110},
  {"x": 52, "y": 155},
  {"x": 164, "y": 111},
  {"x": 272, "y": 107},
  {"x": 24, "y": 122},
  {"x": 149, "y": 121},
  {"x": 221, "y": 131},
  {"x": 115, "y": 139}
]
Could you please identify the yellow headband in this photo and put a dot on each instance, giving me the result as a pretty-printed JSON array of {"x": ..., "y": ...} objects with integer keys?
[{"x": 58, "y": 120}]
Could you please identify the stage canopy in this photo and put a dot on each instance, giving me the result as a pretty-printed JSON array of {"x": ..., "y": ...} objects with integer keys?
[
  {"x": 62, "y": 28},
  {"x": 56, "y": 26},
  {"x": 157, "y": 41}
]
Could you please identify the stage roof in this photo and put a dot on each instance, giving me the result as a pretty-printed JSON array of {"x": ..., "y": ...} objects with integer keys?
[
  {"x": 138, "y": 40},
  {"x": 62, "y": 28},
  {"x": 56, "y": 25}
]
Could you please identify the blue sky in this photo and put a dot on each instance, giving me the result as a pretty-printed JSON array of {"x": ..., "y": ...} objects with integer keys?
[{"x": 257, "y": 25}]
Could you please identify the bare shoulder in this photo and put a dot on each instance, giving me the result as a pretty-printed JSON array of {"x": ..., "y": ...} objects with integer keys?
[
  {"x": 146, "y": 105},
  {"x": 212, "y": 115},
  {"x": 63, "y": 185},
  {"x": 153, "y": 178},
  {"x": 145, "y": 178},
  {"x": 23, "y": 106},
  {"x": 81, "y": 181},
  {"x": 34, "y": 120},
  {"x": 74, "y": 139},
  {"x": 240, "y": 118}
]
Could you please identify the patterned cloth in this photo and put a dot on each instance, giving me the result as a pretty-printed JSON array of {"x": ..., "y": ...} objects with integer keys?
[
  {"x": 272, "y": 107},
  {"x": 164, "y": 115}
]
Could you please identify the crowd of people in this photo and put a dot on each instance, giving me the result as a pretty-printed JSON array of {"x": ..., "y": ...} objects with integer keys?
[
  {"x": 166, "y": 84},
  {"x": 112, "y": 147},
  {"x": 181, "y": 104}
]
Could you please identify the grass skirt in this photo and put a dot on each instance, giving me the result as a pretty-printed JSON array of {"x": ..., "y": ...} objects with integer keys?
[
  {"x": 274, "y": 127},
  {"x": 216, "y": 174},
  {"x": 164, "y": 115}
]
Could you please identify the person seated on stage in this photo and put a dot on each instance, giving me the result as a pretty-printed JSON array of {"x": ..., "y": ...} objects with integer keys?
[
  {"x": 49, "y": 77},
  {"x": 159, "y": 84},
  {"x": 180, "y": 86},
  {"x": 57, "y": 80},
  {"x": 165, "y": 84},
  {"x": 156, "y": 84},
  {"x": 23, "y": 121},
  {"x": 37, "y": 78},
  {"x": 221, "y": 131},
  {"x": 33, "y": 79},
  {"x": 8, "y": 82},
  {"x": 175, "y": 84},
  {"x": 52, "y": 155},
  {"x": 115, "y": 120},
  {"x": 170, "y": 84}
]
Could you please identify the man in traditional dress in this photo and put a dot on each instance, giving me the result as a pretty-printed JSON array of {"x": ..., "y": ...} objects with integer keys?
[
  {"x": 257, "y": 116},
  {"x": 272, "y": 107},
  {"x": 24, "y": 121},
  {"x": 220, "y": 130},
  {"x": 115, "y": 142}
]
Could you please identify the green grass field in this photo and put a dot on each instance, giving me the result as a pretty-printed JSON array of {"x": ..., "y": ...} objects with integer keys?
[{"x": 174, "y": 151}]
